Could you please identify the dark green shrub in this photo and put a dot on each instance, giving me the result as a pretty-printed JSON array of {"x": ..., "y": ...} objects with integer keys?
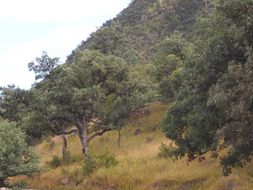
[
  {"x": 55, "y": 162},
  {"x": 92, "y": 163},
  {"x": 89, "y": 165},
  {"x": 16, "y": 157}
]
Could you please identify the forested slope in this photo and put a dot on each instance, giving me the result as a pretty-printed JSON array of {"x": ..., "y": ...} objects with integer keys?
[{"x": 136, "y": 32}]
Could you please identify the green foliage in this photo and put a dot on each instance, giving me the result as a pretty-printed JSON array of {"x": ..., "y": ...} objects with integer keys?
[
  {"x": 43, "y": 66},
  {"x": 92, "y": 163},
  {"x": 198, "y": 53},
  {"x": 55, "y": 162},
  {"x": 136, "y": 32},
  {"x": 16, "y": 158},
  {"x": 89, "y": 165},
  {"x": 233, "y": 95},
  {"x": 93, "y": 86},
  {"x": 19, "y": 186},
  {"x": 172, "y": 53},
  {"x": 209, "y": 108},
  {"x": 106, "y": 160},
  {"x": 14, "y": 103},
  {"x": 35, "y": 126}
]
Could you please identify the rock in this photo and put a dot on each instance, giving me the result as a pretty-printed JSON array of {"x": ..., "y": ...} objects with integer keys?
[
  {"x": 137, "y": 131},
  {"x": 65, "y": 181}
]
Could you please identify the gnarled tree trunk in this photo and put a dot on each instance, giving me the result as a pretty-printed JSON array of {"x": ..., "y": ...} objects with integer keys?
[{"x": 83, "y": 136}]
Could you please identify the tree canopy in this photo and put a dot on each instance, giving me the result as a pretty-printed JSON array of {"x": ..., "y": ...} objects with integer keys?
[
  {"x": 210, "y": 109},
  {"x": 93, "y": 87}
]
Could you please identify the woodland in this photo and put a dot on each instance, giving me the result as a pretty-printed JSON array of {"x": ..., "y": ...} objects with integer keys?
[{"x": 159, "y": 97}]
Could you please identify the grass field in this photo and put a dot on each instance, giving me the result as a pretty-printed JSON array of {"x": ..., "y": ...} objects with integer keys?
[{"x": 139, "y": 167}]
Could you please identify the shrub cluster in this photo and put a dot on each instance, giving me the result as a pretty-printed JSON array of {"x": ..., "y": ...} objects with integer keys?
[{"x": 93, "y": 163}]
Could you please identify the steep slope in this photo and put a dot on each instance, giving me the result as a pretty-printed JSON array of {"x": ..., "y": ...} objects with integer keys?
[{"x": 135, "y": 33}]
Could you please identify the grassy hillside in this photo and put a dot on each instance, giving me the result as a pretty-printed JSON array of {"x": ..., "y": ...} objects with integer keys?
[
  {"x": 137, "y": 31},
  {"x": 139, "y": 167}
]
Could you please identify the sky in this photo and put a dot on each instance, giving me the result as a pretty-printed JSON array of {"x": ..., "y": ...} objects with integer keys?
[{"x": 28, "y": 27}]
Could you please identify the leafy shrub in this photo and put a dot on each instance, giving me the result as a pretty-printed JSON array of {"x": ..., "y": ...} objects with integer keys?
[
  {"x": 55, "y": 162},
  {"x": 93, "y": 163},
  {"x": 89, "y": 165},
  {"x": 16, "y": 157}
]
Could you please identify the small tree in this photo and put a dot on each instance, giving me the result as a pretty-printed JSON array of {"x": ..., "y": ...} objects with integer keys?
[
  {"x": 96, "y": 88},
  {"x": 16, "y": 158}
]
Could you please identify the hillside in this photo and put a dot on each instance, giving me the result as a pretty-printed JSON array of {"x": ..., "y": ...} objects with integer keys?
[
  {"x": 139, "y": 167},
  {"x": 158, "y": 98},
  {"x": 137, "y": 31}
]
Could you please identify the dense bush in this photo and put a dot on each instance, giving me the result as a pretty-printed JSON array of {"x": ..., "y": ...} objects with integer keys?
[
  {"x": 55, "y": 162},
  {"x": 16, "y": 157},
  {"x": 93, "y": 163}
]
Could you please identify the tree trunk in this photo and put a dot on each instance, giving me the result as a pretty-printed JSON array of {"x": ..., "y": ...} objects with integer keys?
[
  {"x": 119, "y": 137},
  {"x": 64, "y": 148},
  {"x": 2, "y": 184},
  {"x": 82, "y": 133},
  {"x": 206, "y": 7}
]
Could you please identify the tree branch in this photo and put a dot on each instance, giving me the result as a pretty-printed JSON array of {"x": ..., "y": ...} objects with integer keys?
[{"x": 99, "y": 133}]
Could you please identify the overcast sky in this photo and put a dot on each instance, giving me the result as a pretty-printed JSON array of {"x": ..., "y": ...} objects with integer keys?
[{"x": 27, "y": 27}]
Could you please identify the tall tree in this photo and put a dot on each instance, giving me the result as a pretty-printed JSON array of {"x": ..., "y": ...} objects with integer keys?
[{"x": 194, "y": 123}]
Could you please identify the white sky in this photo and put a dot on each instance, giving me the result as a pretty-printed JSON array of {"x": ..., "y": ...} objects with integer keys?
[{"x": 27, "y": 27}]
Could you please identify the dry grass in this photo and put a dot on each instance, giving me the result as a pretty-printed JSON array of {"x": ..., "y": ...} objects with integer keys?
[{"x": 139, "y": 167}]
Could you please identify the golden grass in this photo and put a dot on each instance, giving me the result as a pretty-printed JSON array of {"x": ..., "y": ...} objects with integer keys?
[{"x": 139, "y": 167}]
